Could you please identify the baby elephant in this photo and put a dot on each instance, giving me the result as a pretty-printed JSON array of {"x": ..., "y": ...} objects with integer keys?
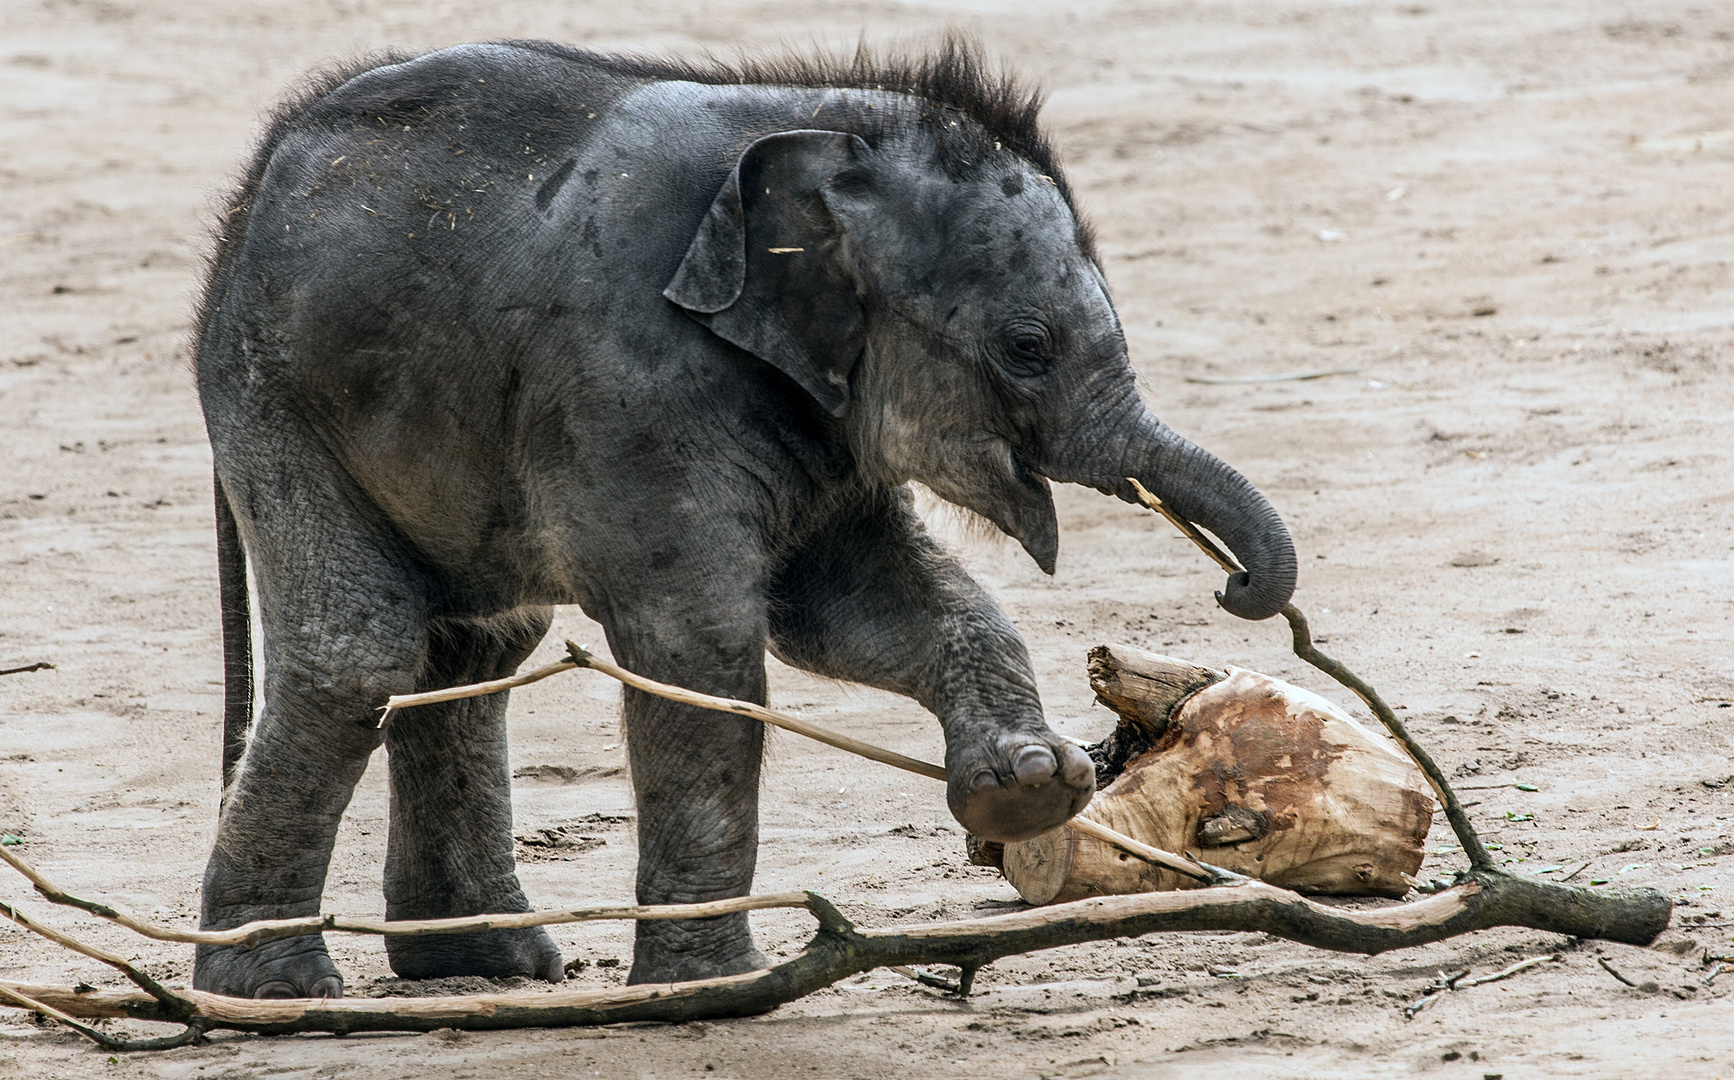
[{"x": 513, "y": 325}]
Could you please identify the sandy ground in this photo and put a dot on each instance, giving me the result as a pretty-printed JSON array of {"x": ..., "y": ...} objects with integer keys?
[{"x": 1513, "y": 219}]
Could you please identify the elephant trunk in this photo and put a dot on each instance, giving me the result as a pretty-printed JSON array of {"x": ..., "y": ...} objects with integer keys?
[{"x": 1204, "y": 490}]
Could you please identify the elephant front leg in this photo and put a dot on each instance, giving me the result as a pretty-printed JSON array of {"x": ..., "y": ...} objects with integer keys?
[
  {"x": 874, "y": 600},
  {"x": 695, "y": 775},
  {"x": 450, "y": 851}
]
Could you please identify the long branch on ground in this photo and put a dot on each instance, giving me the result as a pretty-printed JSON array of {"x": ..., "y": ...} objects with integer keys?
[{"x": 1482, "y": 898}]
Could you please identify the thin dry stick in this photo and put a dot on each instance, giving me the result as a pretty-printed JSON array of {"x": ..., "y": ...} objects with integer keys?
[
  {"x": 578, "y": 656},
  {"x": 40, "y": 665},
  {"x": 253, "y": 933},
  {"x": 399, "y": 701},
  {"x": 1440, "y": 986},
  {"x": 584, "y": 658},
  {"x": 1521, "y": 965},
  {"x": 1609, "y": 968},
  {"x": 1197, "y": 871},
  {"x": 1247, "y": 380},
  {"x": 1479, "y": 858}
]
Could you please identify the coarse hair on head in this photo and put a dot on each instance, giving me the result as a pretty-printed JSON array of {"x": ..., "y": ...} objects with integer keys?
[
  {"x": 952, "y": 79},
  {"x": 969, "y": 109}
]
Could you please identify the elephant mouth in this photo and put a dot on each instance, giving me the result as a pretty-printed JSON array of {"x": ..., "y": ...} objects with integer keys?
[{"x": 1026, "y": 510}]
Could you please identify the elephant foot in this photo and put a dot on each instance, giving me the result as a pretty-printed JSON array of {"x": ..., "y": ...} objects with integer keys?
[
  {"x": 1015, "y": 786},
  {"x": 297, "y": 967},
  {"x": 495, "y": 954},
  {"x": 682, "y": 950}
]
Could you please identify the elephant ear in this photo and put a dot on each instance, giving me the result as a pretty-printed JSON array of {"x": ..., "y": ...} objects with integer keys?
[{"x": 767, "y": 270}]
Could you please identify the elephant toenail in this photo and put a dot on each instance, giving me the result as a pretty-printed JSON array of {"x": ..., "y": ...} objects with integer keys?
[
  {"x": 1079, "y": 770},
  {"x": 329, "y": 987},
  {"x": 984, "y": 778},
  {"x": 1034, "y": 765},
  {"x": 275, "y": 990}
]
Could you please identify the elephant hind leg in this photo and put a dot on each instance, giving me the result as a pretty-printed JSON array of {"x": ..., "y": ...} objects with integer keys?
[
  {"x": 344, "y": 628},
  {"x": 450, "y": 851}
]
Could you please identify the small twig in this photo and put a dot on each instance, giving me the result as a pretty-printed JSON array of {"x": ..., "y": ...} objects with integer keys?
[
  {"x": 1444, "y": 984},
  {"x": 1521, "y": 965},
  {"x": 1191, "y": 867},
  {"x": 1479, "y": 857},
  {"x": 927, "y": 978},
  {"x": 1306, "y": 650},
  {"x": 1437, "y": 989},
  {"x": 1581, "y": 867},
  {"x": 1710, "y": 979},
  {"x": 400, "y": 701},
  {"x": 40, "y": 665},
  {"x": 1609, "y": 968},
  {"x": 1187, "y": 529}
]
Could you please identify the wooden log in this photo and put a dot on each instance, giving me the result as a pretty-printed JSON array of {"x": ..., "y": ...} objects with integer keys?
[
  {"x": 1144, "y": 687},
  {"x": 1261, "y": 777}
]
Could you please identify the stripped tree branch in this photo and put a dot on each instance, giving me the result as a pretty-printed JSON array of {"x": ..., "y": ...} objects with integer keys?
[
  {"x": 1486, "y": 898},
  {"x": 580, "y": 657},
  {"x": 253, "y": 933}
]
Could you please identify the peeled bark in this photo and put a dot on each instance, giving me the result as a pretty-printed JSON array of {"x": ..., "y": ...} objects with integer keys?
[{"x": 1260, "y": 777}]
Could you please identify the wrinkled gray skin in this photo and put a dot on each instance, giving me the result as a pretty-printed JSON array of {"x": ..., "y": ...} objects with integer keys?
[{"x": 598, "y": 386}]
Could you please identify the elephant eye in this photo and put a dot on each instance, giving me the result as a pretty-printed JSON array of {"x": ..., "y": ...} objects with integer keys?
[{"x": 1026, "y": 354}]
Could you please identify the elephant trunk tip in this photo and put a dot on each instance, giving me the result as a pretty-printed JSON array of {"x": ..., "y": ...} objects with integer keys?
[
  {"x": 1241, "y": 596},
  {"x": 1242, "y": 600}
]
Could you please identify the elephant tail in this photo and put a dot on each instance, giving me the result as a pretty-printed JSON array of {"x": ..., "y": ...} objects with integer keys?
[{"x": 237, "y": 637}]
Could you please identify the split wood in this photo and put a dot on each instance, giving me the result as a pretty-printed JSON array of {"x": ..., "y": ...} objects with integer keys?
[{"x": 1482, "y": 897}]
